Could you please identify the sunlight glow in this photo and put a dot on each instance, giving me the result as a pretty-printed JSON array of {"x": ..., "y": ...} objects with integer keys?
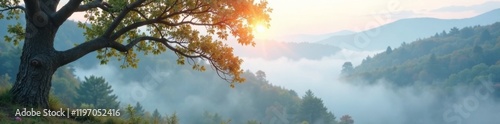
[
  {"x": 261, "y": 32},
  {"x": 260, "y": 29}
]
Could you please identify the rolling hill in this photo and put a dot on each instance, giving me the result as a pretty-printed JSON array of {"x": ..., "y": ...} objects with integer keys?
[{"x": 464, "y": 56}]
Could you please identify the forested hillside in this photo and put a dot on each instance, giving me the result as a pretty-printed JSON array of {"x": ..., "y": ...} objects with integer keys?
[{"x": 458, "y": 57}]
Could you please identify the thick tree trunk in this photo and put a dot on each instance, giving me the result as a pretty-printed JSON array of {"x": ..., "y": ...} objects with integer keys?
[
  {"x": 38, "y": 63},
  {"x": 39, "y": 59}
]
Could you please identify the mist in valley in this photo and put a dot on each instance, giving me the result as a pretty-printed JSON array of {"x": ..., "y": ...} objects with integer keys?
[{"x": 367, "y": 103}]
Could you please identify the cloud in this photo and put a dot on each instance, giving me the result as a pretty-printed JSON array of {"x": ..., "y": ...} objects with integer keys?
[
  {"x": 448, "y": 12},
  {"x": 304, "y": 74},
  {"x": 479, "y": 8}
]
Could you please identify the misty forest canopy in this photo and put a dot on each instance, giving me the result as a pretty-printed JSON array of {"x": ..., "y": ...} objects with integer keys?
[
  {"x": 113, "y": 31},
  {"x": 256, "y": 100},
  {"x": 458, "y": 57}
]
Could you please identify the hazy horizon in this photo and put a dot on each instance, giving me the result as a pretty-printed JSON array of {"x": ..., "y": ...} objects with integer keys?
[{"x": 377, "y": 103}]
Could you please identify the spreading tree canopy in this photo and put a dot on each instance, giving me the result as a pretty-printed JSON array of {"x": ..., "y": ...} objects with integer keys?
[{"x": 121, "y": 29}]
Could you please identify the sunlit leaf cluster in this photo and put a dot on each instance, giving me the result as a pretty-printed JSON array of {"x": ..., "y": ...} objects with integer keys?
[{"x": 190, "y": 28}]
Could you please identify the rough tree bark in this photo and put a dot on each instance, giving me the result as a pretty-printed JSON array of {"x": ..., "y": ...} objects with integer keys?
[
  {"x": 33, "y": 80},
  {"x": 38, "y": 61}
]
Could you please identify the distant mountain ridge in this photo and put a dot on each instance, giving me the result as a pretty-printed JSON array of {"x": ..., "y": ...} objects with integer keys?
[
  {"x": 271, "y": 50},
  {"x": 405, "y": 30}
]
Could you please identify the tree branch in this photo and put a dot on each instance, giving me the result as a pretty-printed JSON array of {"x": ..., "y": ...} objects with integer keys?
[
  {"x": 191, "y": 22},
  {"x": 130, "y": 27},
  {"x": 94, "y": 4},
  {"x": 66, "y": 11},
  {"x": 120, "y": 17},
  {"x": 140, "y": 14},
  {"x": 158, "y": 20},
  {"x": 125, "y": 48},
  {"x": 83, "y": 49},
  {"x": 13, "y": 7},
  {"x": 166, "y": 9}
]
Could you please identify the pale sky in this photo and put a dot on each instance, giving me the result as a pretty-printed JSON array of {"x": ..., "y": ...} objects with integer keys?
[
  {"x": 291, "y": 17},
  {"x": 328, "y": 16}
]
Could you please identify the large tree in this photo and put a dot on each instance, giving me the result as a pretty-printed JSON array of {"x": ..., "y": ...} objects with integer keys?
[{"x": 122, "y": 28}]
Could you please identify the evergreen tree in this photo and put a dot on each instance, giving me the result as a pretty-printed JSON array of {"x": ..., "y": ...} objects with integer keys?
[
  {"x": 347, "y": 68},
  {"x": 172, "y": 119},
  {"x": 443, "y": 33},
  {"x": 404, "y": 44},
  {"x": 131, "y": 115},
  {"x": 388, "y": 50},
  {"x": 139, "y": 111},
  {"x": 330, "y": 118},
  {"x": 156, "y": 117},
  {"x": 454, "y": 30},
  {"x": 96, "y": 91},
  {"x": 314, "y": 111}
]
